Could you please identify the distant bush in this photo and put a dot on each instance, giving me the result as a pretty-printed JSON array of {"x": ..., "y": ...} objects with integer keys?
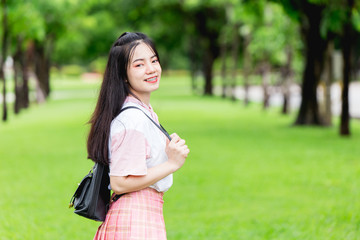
[
  {"x": 72, "y": 70},
  {"x": 98, "y": 65}
]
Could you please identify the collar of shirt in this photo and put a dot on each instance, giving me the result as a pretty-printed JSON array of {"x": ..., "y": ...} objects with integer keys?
[{"x": 138, "y": 102}]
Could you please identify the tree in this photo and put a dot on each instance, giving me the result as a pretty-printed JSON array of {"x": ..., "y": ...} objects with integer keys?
[
  {"x": 207, "y": 22},
  {"x": 347, "y": 45},
  {"x": 224, "y": 49},
  {"x": 21, "y": 34},
  {"x": 315, "y": 46},
  {"x": 230, "y": 42},
  {"x": 4, "y": 44},
  {"x": 318, "y": 19},
  {"x": 250, "y": 14},
  {"x": 273, "y": 46},
  {"x": 327, "y": 80},
  {"x": 55, "y": 15}
]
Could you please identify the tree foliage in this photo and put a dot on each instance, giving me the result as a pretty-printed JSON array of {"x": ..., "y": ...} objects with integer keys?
[
  {"x": 321, "y": 22},
  {"x": 189, "y": 34}
]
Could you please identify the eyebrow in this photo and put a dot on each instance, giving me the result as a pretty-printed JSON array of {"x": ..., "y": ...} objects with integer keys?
[{"x": 142, "y": 59}]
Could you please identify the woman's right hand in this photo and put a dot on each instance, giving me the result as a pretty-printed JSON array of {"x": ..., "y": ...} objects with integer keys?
[{"x": 177, "y": 151}]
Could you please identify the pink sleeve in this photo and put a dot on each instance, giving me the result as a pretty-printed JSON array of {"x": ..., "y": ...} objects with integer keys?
[{"x": 129, "y": 150}]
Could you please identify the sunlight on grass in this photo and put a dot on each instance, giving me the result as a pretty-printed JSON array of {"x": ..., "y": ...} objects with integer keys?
[{"x": 250, "y": 174}]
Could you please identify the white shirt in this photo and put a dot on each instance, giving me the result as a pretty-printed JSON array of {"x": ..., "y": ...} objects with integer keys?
[{"x": 136, "y": 144}]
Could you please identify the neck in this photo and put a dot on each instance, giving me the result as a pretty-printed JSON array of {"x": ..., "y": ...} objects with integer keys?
[{"x": 143, "y": 99}]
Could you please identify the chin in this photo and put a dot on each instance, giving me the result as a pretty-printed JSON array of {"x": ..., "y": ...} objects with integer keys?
[{"x": 156, "y": 88}]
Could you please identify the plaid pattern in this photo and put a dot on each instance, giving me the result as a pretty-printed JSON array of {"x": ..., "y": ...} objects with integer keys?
[{"x": 135, "y": 215}]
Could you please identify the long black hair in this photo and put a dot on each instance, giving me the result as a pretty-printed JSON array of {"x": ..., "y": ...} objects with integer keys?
[{"x": 113, "y": 92}]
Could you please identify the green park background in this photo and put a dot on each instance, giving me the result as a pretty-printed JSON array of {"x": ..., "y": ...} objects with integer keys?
[{"x": 254, "y": 171}]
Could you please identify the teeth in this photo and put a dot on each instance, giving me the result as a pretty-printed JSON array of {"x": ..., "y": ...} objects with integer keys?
[{"x": 151, "y": 79}]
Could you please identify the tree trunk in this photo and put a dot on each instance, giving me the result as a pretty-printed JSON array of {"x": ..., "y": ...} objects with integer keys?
[
  {"x": 223, "y": 55},
  {"x": 208, "y": 72},
  {"x": 2, "y": 77},
  {"x": 315, "y": 48},
  {"x": 328, "y": 79},
  {"x": 193, "y": 80},
  {"x": 346, "y": 53},
  {"x": 3, "y": 56},
  {"x": 25, "y": 76},
  {"x": 42, "y": 70},
  {"x": 18, "y": 75},
  {"x": 207, "y": 22},
  {"x": 266, "y": 75},
  {"x": 17, "y": 88},
  {"x": 235, "y": 57},
  {"x": 246, "y": 68},
  {"x": 193, "y": 64},
  {"x": 287, "y": 75}
]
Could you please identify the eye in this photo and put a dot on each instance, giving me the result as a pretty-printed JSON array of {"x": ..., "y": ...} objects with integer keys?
[
  {"x": 139, "y": 65},
  {"x": 155, "y": 60}
]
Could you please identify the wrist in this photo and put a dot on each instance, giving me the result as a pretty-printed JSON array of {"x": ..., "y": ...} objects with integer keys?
[{"x": 172, "y": 166}]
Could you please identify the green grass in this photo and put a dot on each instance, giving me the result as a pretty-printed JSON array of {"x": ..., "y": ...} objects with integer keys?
[{"x": 250, "y": 174}]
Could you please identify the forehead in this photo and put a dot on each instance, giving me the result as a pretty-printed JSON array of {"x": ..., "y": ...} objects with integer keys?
[{"x": 142, "y": 51}]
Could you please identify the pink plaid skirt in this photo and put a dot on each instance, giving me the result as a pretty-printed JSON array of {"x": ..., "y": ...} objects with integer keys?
[{"x": 135, "y": 215}]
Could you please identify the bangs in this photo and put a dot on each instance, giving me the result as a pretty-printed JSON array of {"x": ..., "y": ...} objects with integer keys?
[{"x": 133, "y": 46}]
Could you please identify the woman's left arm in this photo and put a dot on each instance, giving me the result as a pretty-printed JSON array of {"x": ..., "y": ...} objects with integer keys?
[{"x": 176, "y": 151}]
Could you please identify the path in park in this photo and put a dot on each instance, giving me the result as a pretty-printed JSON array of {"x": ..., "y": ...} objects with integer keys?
[
  {"x": 256, "y": 95},
  {"x": 276, "y": 99}
]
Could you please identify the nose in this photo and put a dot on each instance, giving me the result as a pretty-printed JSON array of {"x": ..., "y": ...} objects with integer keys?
[{"x": 150, "y": 68}]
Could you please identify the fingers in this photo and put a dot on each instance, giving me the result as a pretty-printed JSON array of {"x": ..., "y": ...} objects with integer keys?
[
  {"x": 179, "y": 143},
  {"x": 174, "y": 137},
  {"x": 185, "y": 151}
]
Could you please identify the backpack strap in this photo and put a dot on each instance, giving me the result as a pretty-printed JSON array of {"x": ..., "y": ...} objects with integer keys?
[{"x": 162, "y": 129}]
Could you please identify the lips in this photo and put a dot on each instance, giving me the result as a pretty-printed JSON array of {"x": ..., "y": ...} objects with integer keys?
[{"x": 152, "y": 79}]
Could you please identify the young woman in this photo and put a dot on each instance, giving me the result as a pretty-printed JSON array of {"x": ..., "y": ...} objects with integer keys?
[{"x": 141, "y": 159}]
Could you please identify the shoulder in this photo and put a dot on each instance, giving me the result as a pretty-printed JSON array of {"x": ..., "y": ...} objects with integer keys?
[{"x": 131, "y": 118}]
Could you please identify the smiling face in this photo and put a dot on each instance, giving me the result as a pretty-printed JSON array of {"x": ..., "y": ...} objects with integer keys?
[{"x": 144, "y": 72}]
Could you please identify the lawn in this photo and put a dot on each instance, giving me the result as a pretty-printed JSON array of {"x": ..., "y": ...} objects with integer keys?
[{"x": 250, "y": 174}]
